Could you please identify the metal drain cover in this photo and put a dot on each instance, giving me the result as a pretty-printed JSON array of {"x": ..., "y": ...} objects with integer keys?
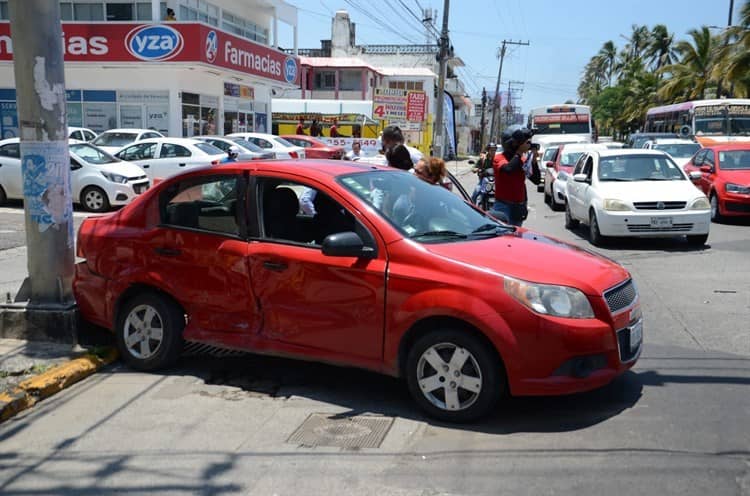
[{"x": 325, "y": 429}]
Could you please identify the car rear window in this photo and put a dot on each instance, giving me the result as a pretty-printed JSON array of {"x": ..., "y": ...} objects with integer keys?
[
  {"x": 92, "y": 154},
  {"x": 282, "y": 141},
  {"x": 208, "y": 149},
  {"x": 115, "y": 139},
  {"x": 248, "y": 145}
]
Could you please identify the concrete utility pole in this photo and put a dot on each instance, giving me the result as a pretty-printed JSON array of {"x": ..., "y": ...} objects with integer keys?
[
  {"x": 482, "y": 123},
  {"x": 40, "y": 89},
  {"x": 439, "y": 127},
  {"x": 493, "y": 130}
]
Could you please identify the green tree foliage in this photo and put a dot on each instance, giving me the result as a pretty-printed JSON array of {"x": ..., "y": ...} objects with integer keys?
[{"x": 652, "y": 68}]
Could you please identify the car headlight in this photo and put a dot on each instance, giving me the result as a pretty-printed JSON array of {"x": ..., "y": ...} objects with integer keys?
[
  {"x": 115, "y": 178},
  {"x": 737, "y": 188},
  {"x": 615, "y": 204},
  {"x": 558, "y": 301},
  {"x": 700, "y": 204}
]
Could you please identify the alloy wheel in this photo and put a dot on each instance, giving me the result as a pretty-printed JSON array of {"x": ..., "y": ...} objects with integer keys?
[
  {"x": 449, "y": 377},
  {"x": 143, "y": 331}
]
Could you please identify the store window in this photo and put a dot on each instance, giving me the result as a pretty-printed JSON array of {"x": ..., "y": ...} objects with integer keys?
[
  {"x": 350, "y": 80},
  {"x": 243, "y": 27},
  {"x": 88, "y": 12},
  {"x": 325, "y": 80},
  {"x": 198, "y": 10},
  {"x": 406, "y": 85},
  {"x": 120, "y": 11},
  {"x": 199, "y": 113},
  {"x": 4, "y": 14}
]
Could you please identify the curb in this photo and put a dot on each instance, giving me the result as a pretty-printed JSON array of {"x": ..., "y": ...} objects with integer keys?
[{"x": 44, "y": 385}]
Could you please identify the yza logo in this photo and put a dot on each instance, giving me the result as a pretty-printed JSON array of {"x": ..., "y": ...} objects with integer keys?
[
  {"x": 290, "y": 70},
  {"x": 154, "y": 42},
  {"x": 212, "y": 46}
]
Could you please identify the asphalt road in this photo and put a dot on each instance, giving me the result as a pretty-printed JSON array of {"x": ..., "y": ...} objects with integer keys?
[{"x": 678, "y": 423}]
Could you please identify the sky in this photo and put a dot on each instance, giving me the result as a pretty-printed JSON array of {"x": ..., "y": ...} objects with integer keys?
[{"x": 562, "y": 34}]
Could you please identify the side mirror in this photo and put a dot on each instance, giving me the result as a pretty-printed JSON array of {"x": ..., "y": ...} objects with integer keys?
[
  {"x": 549, "y": 164},
  {"x": 346, "y": 244},
  {"x": 695, "y": 175},
  {"x": 706, "y": 168},
  {"x": 581, "y": 178}
]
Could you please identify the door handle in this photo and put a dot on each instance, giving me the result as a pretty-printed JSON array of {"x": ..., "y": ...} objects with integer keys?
[
  {"x": 182, "y": 165},
  {"x": 168, "y": 252},
  {"x": 145, "y": 166},
  {"x": 275, "y": 266}
]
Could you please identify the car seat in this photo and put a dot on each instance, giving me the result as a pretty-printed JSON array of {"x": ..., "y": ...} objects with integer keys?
[{"x": 280, "y": 210}]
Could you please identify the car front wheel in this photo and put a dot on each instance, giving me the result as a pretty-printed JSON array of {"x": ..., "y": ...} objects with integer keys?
[
  {"x": 595, "y": 235},
  {"x": 149, "y": 331},
  {"x": 570, "y": 222},
  {"x": 454, "y": 376},
  {"x": 715, "y": 212},
  {"x": 94, "y": 199}
]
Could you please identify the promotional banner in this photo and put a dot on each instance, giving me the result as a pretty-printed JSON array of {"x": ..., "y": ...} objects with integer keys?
[
  {"x": 405, "y": 108},
  {"x": 450, "y": 123},
  {"x": 173, "y": 42}
]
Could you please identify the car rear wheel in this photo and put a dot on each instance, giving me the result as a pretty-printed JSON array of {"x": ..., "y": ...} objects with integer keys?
[
  {"x": 697, "y": 239},
  {"x": 454, "y": 376},
  {"x": 149, "y": 331},
  {"x": 548, "y": 196},
  {"x": 595, "y": 235},
  {"x": 94, "y": 199},
  {"x": 3, "y": 196},
  {"x": 715, "y": 213},
  {"x": 570, "y": 222}
]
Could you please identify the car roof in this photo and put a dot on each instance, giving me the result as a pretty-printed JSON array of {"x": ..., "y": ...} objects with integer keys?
[
  {"x": 71, "y": 141},
  {"x": 674, "y": 141},
  {"x": 731, "y": 145},
  {"x": 622, "y": 152},
  {"x": 581, "y": 147},
  {"x": 176, "y": 141}
]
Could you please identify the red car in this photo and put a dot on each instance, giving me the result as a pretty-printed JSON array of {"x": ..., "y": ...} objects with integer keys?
[
  {"x": 387, "y": 272},
  {"x": 722, "y": 172},
  {"x": 315, "y": 148}
]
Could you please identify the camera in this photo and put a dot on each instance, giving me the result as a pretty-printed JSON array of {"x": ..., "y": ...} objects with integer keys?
[{"x": 534, "y": 146}]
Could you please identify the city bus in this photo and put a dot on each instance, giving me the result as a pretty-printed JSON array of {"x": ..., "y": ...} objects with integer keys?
[
  {"x": 709, "y": 121},
  {"x": 567, "y": 119}
]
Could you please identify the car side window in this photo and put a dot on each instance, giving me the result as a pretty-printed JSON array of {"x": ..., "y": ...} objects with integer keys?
[
  {"x": 588, "y": 166},
  {"x": 88, "y": 135},
  {"x": 221, "y": 145},
  {"x": 11, "y": 150},
  {"x": 76, "y": 135},
  {"x": 143, "y": 151},
  {"x": 74, "y": 164},
  {"x": 708, "y": 159},
  {"x": 206, "y": 203},
  {"x": 150, "y": 135},
  {"x": 297, "y": 213},
  {"x": 579, "y": 165},
  {"x": 170, "y": 150},
  {"x": 260, "y": 142}
]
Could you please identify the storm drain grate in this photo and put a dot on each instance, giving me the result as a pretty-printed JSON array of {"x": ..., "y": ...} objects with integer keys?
[{"x": 324, "y": 429}]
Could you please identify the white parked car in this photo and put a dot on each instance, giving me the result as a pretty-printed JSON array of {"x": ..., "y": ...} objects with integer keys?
[
  {"x": 247, "y": 150},
  {"x": 81, "y": 133},
  {"x": 270, "y": 142},
  {"x": 560, "y": 168},
  {"x": 635, "y": 192},
  {"x": 98, "y": 180},
  {"x": 113, "y": 140},
  {"x": 164, "y": 157},
  {"x": 681, "y": 150}
]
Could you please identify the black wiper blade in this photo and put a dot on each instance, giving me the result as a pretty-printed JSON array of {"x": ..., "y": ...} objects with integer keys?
[
  {"x": 656, "y": 179},
  {"x": 442, "y": 233},
  {"x": 486, "y": 227},
  {"x": 622, "y": 179},
  {"x": 492, "y": 230}
]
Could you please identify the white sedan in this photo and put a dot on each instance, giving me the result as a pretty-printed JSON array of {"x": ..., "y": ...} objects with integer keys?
[
  {"x": 98, "y": 180},
  {"x": 270, "y": 142},
  {"x": 165, "y": 157},
  {"x": 681, "y": 150},
  {"x": 635, "y": 192},
  {"x": 113, "y": 140}
]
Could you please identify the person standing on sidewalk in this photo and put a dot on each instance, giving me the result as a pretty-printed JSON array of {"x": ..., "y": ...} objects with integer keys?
[{"x": 511, "y": 168}]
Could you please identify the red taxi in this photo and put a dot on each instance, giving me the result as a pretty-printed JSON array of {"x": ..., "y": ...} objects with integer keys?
[
  {"x": 315, "y": 148},
  {"x": 722, "y": 172}
]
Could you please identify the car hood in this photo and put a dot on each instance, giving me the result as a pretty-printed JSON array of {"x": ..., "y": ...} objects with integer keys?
[
  {"x": 126, "y": 169},
  {"x": 736, "y": 176},
  {"x": 637, "y": 191},
  {"x": 532, "y": 256}
]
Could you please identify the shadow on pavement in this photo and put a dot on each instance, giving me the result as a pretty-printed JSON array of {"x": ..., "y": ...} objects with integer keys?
[{"x": 673, "y": 244}]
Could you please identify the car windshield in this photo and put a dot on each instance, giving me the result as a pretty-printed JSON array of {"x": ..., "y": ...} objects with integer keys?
[
  {"x": 92, "y": 154},
  {"x": 639, "y": 168},
  {"x": 421, "y": 211},
  {"x": 678, "y": 149},
  {"x": 115, "y": 139},
  {"x": 209, "y": 149},
  {"x": 548, "y": 154},
  {"x": 282, "y": 141},
  {"x": 734, "y": 160},
  {"x": 248, "y": 146}
]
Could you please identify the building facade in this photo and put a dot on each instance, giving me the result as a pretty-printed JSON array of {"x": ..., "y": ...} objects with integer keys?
[{"x": 212, "y": 69}]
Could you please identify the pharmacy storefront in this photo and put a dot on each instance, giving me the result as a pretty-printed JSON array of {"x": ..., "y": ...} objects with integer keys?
[{"x": 181, "y": 79}]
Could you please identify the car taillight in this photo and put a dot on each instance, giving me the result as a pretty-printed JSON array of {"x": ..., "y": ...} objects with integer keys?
[{"x": 293, "y": 155}]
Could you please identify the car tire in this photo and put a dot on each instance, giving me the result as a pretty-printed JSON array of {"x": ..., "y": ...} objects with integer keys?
[
  {"x": 3, "y": 196},
  {"x": 570, "y": 222},
  {"x": 595, "y": 235},
  {"x": 148, "y": 331},
  {"x": 94, "y": 199},
  {"x": 715, "y": 213},
  {"x": 460, "y": 392},
  {"x": 539, "y": 188},
  {"x": 548, "y": 196},
  {"x": 697, "y": 239}
]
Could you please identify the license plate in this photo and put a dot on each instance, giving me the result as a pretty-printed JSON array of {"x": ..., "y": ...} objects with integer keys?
[
  {"x": 661, "y": 222},
  {"x": 636, "y": 335}
]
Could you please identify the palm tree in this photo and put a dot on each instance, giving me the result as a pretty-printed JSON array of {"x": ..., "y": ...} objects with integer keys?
[
  {"x": 660, "y": 50},
  {"x": 733, "y": 57},
  {"x": 608, "y": 57},
  {"x": 638, "y": 42},
  {"x": 691, "y": 76}
]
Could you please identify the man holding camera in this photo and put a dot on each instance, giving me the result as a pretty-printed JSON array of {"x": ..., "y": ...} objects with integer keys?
[{"x": 517, "y": 162}]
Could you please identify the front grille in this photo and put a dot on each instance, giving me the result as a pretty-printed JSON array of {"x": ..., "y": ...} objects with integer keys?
[
  {"x": 621, "y": 296},
  {"x": 654, "y": 205},
  {"x": 738, "y": 207},
  {"x": 140, "y": 188},
  {"x": 646, "y": 228}
]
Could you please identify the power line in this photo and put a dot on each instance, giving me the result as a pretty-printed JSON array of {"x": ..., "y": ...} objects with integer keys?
[{"x": 380, "y": 22}]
